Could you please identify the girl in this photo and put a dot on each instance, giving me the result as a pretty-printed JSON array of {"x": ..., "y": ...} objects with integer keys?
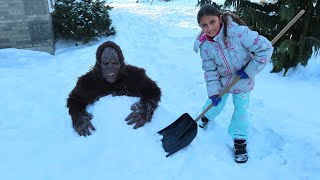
[{"x": 228, "y": 48}]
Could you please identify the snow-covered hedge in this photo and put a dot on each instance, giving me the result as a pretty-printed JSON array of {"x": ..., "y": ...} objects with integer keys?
[{"x": 82, "y": 20}]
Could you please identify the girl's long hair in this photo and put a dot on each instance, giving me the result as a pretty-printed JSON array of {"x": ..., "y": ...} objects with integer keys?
[{"x": 208, "y": 10}]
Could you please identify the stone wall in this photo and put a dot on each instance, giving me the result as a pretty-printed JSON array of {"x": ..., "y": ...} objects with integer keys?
[{"x": 26, "y": 24}]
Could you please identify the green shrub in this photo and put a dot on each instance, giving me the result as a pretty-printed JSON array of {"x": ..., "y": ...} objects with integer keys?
[{"x": 82, "y": 20}]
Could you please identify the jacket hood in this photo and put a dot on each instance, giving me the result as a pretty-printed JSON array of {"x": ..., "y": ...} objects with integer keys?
[{"x": 199, "y": 40}]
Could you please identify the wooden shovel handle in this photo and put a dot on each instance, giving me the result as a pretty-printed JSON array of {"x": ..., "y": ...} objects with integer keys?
[
  {"x": 220, "y": 95},
  {"x": 274, "y": 40}
]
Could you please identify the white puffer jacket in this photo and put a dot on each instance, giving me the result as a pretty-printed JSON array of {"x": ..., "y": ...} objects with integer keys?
[{"x": 220, "y": 61}]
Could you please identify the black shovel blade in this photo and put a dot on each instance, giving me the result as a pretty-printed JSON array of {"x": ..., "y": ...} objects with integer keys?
[
  {"x": 179, "y": 134},
  {"x": 173, "y": 146},
  {"x": 180, "y": 124}
]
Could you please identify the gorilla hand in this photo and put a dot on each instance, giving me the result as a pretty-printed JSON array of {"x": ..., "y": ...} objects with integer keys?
[
  {"x": 140, "y": 114},
  {"x": 82, "y": 124}
]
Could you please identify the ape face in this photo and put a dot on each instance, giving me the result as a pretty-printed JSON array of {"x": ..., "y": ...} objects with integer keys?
[{"x": 110, "y": 64}]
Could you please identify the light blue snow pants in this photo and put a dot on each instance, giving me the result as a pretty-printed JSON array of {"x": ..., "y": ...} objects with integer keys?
[{"x": 238, "y": 127}]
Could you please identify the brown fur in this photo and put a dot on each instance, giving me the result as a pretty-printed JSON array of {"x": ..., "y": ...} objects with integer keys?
[{"x": 131, "y": 81}]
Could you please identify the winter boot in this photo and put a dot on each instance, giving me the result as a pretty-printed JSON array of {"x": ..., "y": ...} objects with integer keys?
[
  {"x": 204, "y": 122},
  {"x": 240, "y": 151}
]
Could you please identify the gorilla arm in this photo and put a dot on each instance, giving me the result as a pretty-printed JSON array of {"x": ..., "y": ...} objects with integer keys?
[
  {"x": 149, "y": 94},
  {"x": 77, "y": 101}
]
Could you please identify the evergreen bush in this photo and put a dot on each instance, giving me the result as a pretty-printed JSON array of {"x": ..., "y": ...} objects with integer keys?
[
  {"x": 209, "y": 2},
  {"x": 299, "y": 43},
  {"x": 82, "y": 20}
]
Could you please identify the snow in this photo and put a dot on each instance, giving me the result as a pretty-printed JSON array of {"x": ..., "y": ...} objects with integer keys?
[
  {"x": 51, "y": 6},
  {"x": 38, "y": 141}
]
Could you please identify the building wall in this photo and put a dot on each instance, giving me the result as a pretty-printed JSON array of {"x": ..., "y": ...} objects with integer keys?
[{"x": 26, "y": 24}]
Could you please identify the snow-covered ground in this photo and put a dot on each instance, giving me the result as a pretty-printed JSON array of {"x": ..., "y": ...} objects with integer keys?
[{"x": 37, "y": 141}]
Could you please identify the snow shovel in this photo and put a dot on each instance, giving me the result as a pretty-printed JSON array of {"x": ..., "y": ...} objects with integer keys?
[{"x": 181, "y": 132}]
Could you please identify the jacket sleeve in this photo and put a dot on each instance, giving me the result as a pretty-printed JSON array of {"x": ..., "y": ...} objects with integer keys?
[
  {"x": 260, "y": 47},
  {"x": 211, "y": 75}
]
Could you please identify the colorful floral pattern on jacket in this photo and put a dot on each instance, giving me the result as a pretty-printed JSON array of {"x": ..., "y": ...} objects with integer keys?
[{"x": 243, "y": 48}]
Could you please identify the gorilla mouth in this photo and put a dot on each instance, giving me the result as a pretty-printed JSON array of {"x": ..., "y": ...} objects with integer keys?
[{"x": 110, "y": 74}]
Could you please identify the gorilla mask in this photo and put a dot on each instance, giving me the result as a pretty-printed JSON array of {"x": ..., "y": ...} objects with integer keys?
[{"x": 110, "y": 64}]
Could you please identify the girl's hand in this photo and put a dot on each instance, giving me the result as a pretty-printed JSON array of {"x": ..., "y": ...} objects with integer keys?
[
  {"x": 215, "y": 100},
  {"x": 242, "y": 74}
]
